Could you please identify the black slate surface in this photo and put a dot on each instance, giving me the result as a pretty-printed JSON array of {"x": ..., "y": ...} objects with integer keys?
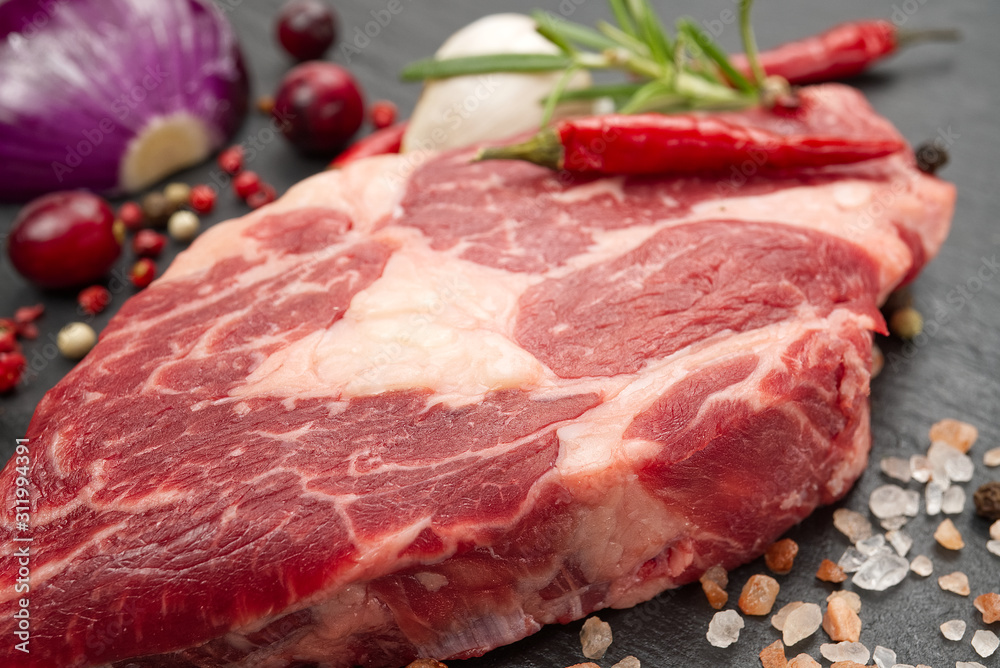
[{"x": 951, "y": 371}]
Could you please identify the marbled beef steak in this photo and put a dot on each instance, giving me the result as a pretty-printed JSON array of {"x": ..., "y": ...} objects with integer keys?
[{"x": 422, "y": 410}]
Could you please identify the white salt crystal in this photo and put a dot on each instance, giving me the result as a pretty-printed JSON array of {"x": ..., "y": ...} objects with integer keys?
[
  {"x": 896, "y": 468},
  {"x": 953, "y": 629},
  {"x": 884, "y": 657},
  {"x": 888, "y": 501},
  {"x": 992, "y": 457},
  {"x": 778, "y": 619},
  {"x": 985, "y": 643},
  {"x": 968, "y": 664},
  {"x": 845, "y": 651},
  {"x": 995, "y": 530},
  {"x": 912, "y": 508},
  {"x": 993, "y": 546},
  {"x": 902, "y": 665},
  {"x": 960, "y": 468},
  {"x": 900, "y": 541},
  {"x": 801, "y": 623},
  {"x": 940, "y": 452},
  {"x": 953, "y": 502},
  {"x": 881, "y": 571},
  {"x": 934, "y": 496},
  {"x": 628, "y": 662},
  {"x": 595, "y": 636},
  {"x": 920, "y": 468},
  {"x": 851, "y": 598},
  {"x": 893, "y": 523},
  {"x": 724, "y": 629},
  {"x": 870, "y": 546},
  {"x": 851, "y": 560},
  {"x": 922, "y": 566},
  {"x": 852, "y": 524}
]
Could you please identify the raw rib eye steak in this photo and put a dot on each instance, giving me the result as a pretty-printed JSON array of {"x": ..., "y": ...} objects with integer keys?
[{"x": 421, "y": 412}]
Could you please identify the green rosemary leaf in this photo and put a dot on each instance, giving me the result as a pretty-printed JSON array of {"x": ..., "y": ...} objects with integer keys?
[
  {"x": 573, "y": 33},
  {"x": 623, "y": 39},
  {"x": 433, "y": 68},
  {"x": 654, "y": 96},
  {"x": 623, "y": 17},
  {"x": 650, "y": 30},
  {"x": 750, "y": 42},
  {"x": 549, "y": 32},
  {"x": 615, "y": 91},
  {"x": 693, "y": 32},
  {"x": 557, "y": 91}
]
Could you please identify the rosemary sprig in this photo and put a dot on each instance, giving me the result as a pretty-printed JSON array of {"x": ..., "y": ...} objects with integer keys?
[{"x": 667, "y": 73}]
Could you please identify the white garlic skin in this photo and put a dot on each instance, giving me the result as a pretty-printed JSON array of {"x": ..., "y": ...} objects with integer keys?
[{"x": 466, "y": 110}]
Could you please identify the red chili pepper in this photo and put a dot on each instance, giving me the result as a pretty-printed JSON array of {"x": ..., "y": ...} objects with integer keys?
[
  {"x": 660, "y": 144},
  {"x": 843, "y": 51},
  {"x": 381, "y": 142}
]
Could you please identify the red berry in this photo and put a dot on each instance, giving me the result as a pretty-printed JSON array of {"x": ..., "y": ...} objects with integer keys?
[
  {"x": 64, "y": 239},
  {"x": 231, "y": 160},
  {"x": 27, "y": 314},
  {"x": 318, "y": 107},
  {"x": 147, "y": 243},
  {"x": 8, "y": 336},
  {"x": 202, "y": 199},
  {"x": 246, "y": 184},
  {"x": 265, "y": 195},
  {"x": 130, "y": 214},
  {"x": 383, "y": 114},
  {"x": 27, "y": 330},
  {"x": 94, "y": 299},
  {"x": 306, "y": 28},
  {"x": 12, "y": 365},
  {"x": 143, "y": 272}
]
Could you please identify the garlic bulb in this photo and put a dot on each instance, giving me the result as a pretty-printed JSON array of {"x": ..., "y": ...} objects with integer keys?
[{"x": 470, "y": 109}]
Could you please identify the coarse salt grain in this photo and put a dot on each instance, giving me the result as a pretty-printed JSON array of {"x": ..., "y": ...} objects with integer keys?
[
  {"x": 953, "y": 502},
  {"x": 893, "y": 523},
  {"x": 884, "y": 657},
  {"x": 757, "y": 597},
  {"x": 853, "y": 600},
  {"x": 841, "y": 622},
  {"x": 920, "y": 468},
  {"x": 993, "y": 546},
  {"x": 959, "y": 435},
  {"x": 845, "y": 651},
  {"x": 948, "y": 536},
  {"x": 852, "y": 524},
  {"x": 989, "y": 605},
  {"x": 991, "y": 457},
  {"x": 900, "y": 541},
  {"x": 780, "y": 556},
  {"x": 803, "y": 661},
  {"x": 881, "y": 571},
  {"x": 870, "y": 546},
  {"x": 892, "y": 500},
  {"x": 628, "y": 662},
  {"x": 724, "y": 629},
  {"x": 830, "y": 572},
  {"x": 968, "y": 664},
  {"x": 773, "y": 656},
  {"x": 953, "y": 629},
  {"x": 851, "y": 560},
  {"x": 957, "y": 583},
  {"x": 995, "y": 530},
  {"x": 778, "y": 618},
  {"x": 934, "y": 497},
  {"x": 896, "y": 468},
  {"x": 922, "y": 565},
  {"x": 801, "y": 623},
  {"x": 595, "y": 637},
  {"x": 985, "y": 643}
]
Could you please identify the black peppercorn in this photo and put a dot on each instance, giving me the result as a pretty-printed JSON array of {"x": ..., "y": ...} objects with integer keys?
[{"x": 987, "y": 500}]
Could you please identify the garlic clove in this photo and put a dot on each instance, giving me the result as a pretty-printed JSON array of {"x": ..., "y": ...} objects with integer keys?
[{"x": 466, "y": 110}]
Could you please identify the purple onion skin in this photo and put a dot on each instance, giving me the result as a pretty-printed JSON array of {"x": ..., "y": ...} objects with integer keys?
[{"x": 79, "y": 79}]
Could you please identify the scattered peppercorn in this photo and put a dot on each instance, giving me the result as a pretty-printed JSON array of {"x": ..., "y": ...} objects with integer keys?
[
  {"x": 246, "y": 184},
  {"x": 987, "y": 500},
  {"x": 12, "y": 366},
  {"x": 143, "y": 272},
  {"x": 156, "y": 208},
  {"x": 183, "y": 226},
  {"x": 8, "y": 336},
  {"x": 931, "y": 157},
  {"x": 147, "y": 243},
  {"x": 130, "y": 214},
  {"x": 178, "y": 194},
  {"x": 906, "y": 323},
  {"x": 27, "y": 314},
  {"x": 383, "y": 114},
  {"x": 76, "y": 340},
  {"x": 231, "y": 160},
  {"x": 94, "y": 299},
  {"x": 202, "y": 199},
  {"x": 265, "y": 195}
]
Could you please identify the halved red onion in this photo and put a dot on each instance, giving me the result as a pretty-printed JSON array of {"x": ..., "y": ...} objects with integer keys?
[{"x": 113, "y": 95}]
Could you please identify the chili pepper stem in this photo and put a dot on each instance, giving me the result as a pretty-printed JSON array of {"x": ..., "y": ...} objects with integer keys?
[
  {"x": 543, "y": 149},
  {"x": 905, "y": 38}
]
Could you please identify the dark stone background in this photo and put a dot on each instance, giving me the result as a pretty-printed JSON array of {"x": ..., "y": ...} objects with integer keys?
[{"x": 952, "y": 372}]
